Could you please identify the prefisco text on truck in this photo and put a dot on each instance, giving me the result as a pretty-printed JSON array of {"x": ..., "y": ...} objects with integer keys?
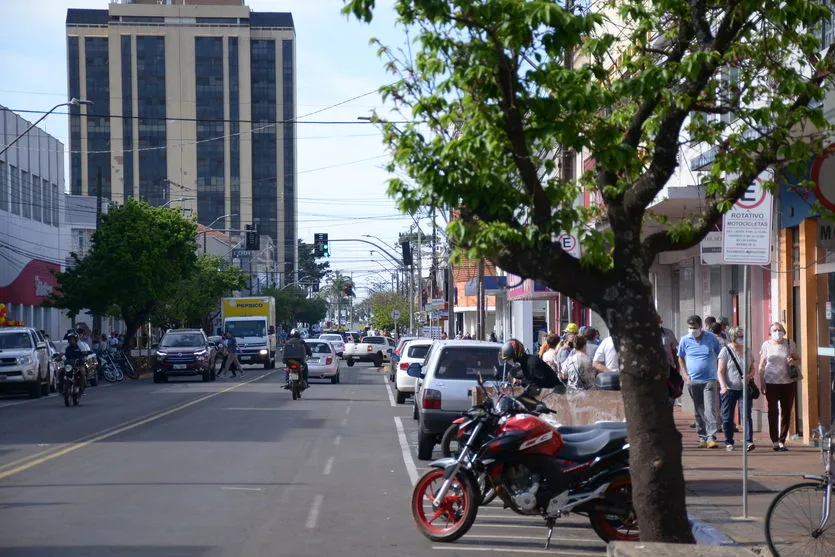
[{"x": 252, "y": 321}]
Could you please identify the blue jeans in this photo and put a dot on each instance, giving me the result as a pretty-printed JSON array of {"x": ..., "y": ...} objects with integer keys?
[
  {"x": 703, "y": 394},
  {"x": 729, "y": 404}
]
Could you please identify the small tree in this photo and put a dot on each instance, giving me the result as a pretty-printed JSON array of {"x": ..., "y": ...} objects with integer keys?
[
  {"x": 382, "y": 304},
  {"x": 497, "y": 88},
  {"x": 139, "y": 256}
]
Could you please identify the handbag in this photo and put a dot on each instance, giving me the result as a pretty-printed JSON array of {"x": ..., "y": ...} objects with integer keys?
[
  {"x": 794, "y": 372},
  {"x": 753, "y": 391}
]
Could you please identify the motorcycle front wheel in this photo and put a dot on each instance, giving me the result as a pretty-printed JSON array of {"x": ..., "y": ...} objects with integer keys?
[
  {"x": 456, "y": 513},
  {"x": 613, "y": 518}
]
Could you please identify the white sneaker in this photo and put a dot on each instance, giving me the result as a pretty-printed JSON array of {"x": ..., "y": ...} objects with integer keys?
[{"x": 729, "y": 448}]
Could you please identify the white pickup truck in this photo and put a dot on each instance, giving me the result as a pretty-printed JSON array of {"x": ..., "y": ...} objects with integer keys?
[{"x": 372, "y": 349}]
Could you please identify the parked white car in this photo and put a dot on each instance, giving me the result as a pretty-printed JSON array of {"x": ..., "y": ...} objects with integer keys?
[
  {"x": 336, "y": 341},
  {"x": 413, "y": 352},
  {"x": 323, "y": 362}
]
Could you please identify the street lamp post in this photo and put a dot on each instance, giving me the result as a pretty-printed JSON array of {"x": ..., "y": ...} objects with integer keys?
[
  {"x": 71, "y": 102},
  {"x": 177, "y": 200},
  {"x": 210, "y": 229}
]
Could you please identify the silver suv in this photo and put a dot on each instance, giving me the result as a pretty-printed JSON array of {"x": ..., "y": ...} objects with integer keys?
[
  {"x": 24, "y": 361},
  {"x": 448, "y": 376}
]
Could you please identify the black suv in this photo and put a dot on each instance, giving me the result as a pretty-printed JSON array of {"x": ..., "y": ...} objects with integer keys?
[{"x": 185, "y": 353}]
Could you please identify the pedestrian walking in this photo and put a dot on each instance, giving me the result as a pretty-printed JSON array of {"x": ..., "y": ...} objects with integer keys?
[
  {"x": 544, "y": 346},
  {"x": 577, "y": 370},
  {"x": 736, "y": 368},
  {"x": 592, "y": 340},
  {"x": 698, "y": 357},
  {"x": 566, "y": 346},
  {"x": 779, "y": 370},
  {"x": 606, "y": 357},
  {"x": 231, "y": 348},
  {"x": 550, "y": 355},
  {"x": 669, "y": 343}
]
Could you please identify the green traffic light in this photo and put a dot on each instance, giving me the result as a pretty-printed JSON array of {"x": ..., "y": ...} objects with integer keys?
[{"x": 326, "y": 250}]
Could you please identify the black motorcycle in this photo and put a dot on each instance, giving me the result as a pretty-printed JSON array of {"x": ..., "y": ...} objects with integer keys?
[{"x": 70, "y": 384}]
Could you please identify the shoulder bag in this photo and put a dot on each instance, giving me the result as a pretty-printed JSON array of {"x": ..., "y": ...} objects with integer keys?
[{"x": 753, "y": 391}]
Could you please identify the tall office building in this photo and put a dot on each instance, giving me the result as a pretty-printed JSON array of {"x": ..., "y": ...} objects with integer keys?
[{"x": 194, "y": 104}]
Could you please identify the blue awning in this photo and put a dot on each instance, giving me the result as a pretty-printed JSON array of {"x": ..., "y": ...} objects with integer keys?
[{"x": 493, "y": 285}]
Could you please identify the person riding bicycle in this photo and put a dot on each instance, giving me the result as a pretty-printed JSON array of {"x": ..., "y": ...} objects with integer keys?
[
  {"x": 293, "y": 341},
  {"x": 74, "y": 354}
]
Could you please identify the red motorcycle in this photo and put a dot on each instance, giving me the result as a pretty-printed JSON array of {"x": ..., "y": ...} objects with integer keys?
[{"x": 534, "y": 469}]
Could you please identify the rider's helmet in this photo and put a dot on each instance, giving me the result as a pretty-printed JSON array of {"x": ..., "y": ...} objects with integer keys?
[
  {"x": 72, "y": 335},
  {"x": 295, "y": 334},
  {"x": 513, "y": 350}
]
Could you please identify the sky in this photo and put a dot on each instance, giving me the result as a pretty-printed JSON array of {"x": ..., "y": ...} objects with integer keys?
[{"x": 341, "y": 176}]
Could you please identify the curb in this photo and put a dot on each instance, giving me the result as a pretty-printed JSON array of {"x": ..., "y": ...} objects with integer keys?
[{"x": 707, "y": 534}]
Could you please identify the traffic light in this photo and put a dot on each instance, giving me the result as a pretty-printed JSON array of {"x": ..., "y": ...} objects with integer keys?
[
  {"x": 320, "y": 245},
  {"x": 346, "y": 290},
  {"x": 406, "y": 249}
]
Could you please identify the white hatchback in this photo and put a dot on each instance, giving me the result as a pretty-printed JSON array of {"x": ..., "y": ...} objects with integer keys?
[
  {"x": 336, "y": 341},
  {"x": 323, "y": 361},
  {"x": 413, "y": 352}
]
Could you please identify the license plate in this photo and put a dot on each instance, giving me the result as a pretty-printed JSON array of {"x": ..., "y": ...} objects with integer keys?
[
  {"x": 246, "y": 358},
  {"x": 180, "y": 366},
  {"x": 294, "y": 377}
]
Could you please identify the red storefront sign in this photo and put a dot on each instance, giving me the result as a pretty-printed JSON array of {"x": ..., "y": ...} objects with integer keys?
[{"x": 33, "y": 284}]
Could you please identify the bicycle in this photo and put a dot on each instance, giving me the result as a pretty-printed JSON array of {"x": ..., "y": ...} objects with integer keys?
[{"x": 797, "y": 521}]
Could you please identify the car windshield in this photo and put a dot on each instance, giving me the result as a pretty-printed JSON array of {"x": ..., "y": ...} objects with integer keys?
[
  {"x": 418, "y": 351},
  {"x": 246, "y": 328},
  {"x": 15, "y": 341},
  {"x": 320, "y": 347},
  {"x": 182, "y": 339},
  {"x": 466, "y": 362}
]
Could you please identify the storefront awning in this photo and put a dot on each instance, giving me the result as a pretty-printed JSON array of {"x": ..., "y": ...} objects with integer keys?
[
  {"x": 493, "y": 286},
  {"x": 528, "y": 289}
]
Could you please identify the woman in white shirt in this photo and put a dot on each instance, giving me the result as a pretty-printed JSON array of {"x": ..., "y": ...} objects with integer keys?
[{"x": 777, "y": 356}]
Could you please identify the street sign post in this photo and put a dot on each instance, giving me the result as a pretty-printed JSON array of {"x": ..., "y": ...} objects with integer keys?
[
  {"x": 570, "y": 244},
  {"x": 395, "y": 314},
  {"x": 746, "y": 228}
]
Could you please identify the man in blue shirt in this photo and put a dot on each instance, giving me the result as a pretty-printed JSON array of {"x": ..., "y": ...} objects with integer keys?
[{"x": 698, "y": 355}]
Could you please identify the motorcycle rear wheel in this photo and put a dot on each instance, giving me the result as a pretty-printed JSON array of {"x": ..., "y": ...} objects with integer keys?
[
  {"x": 294, "y": 388},
  {"x": 457, "y": 512},
  {"x": 66, "y": 399},
  {"x": 622, "y": 526}
]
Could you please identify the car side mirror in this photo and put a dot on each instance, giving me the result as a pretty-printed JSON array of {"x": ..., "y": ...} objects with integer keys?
[
  {"x": 41, "y": 346},
  {"x": 415, "y": 371}
]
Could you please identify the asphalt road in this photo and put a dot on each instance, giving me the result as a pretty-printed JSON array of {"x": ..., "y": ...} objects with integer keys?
[{"x": 235, "y": 467}]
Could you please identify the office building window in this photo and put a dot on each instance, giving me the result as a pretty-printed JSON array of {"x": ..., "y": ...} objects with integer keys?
[
  {"x": 288, "y": 156},
  {"x": 127, "y": 112},
  {"x": 153, "y": 172},
  {"x": 234, "y": 134},
  {"x": 4, "y": 187},
  {"x": 25, "y": 194},
  {"x": 37, "y": 207},
  {"x": 56, "y": 203},
  {"x": 46, "y": 196},
  {"x": 14, "y": 193},
  {"x": 97, "y": 65},
  {"x": 208, "y": 67},
  {"x": 74, "y": 76},
  {"x": 264, "y": 138}
]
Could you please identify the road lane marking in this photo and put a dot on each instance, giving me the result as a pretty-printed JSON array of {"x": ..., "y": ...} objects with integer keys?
[
  {"x": 337, "y": 441},
  {"x": 458, "y": 547},
  {"x": 36, "y": 459},
  {"x": 347, "y": 410},
  {"x": 328, "y": 467},
  {"x": 343, "y": 422},
  {"x": 232, "y": 488},
  {"x": 391, "y": 395},
  {"x": 469, "y": 537},
  {"x": 407, "y": 453},
  {"x": 313, "y": 515}
]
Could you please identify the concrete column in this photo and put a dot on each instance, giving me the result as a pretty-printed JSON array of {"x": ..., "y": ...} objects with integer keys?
[{"x": 807, "y": 347}]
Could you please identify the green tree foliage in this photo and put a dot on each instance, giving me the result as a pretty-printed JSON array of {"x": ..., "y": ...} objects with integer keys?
[
  {"x": 292, "y": 306},
  {"x": 195, "y": 300},
  {"x": 139, "y": 256},
  {"x": 498, "y": 89},
  {"x": 382, "y": 304}
]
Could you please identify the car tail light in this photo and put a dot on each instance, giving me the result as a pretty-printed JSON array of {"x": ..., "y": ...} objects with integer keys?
[
  {"x": 431, "y": 399},
  {"x": 329, "y": 361},
  {"x": 404, "y": 365}
]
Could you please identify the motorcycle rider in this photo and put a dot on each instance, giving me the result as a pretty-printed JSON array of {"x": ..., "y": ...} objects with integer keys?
[
  {"x": 530, "y": 368},
  {"x": 295, "y": 338},
  {"x": 74, "y": 353}
]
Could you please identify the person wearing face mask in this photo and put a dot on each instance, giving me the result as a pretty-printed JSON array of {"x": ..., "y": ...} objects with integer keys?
[
  {"x": 777, "y": 379},
  {"x": 697, "y": 356},
  {"x": 735, "y": 370}
]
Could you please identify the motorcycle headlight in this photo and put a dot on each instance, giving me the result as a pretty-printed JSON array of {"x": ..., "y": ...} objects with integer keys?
[
  {"x": 68, "y": 367},
  {"x": 25, "y": 360}
]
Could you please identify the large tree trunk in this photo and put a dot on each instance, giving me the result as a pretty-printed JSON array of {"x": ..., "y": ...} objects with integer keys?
[{"x": 655, "y": 443}]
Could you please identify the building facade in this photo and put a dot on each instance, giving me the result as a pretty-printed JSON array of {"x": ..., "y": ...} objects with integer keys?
[
  {"x": 194, "y": 106},
  {"x": 34, "y": 240}
]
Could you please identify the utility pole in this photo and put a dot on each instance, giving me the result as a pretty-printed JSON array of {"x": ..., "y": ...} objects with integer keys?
[
  {"x": 450, "y": 293},
  {"x": 480, "y": 326},
  {"x": 97, "y": 318}
]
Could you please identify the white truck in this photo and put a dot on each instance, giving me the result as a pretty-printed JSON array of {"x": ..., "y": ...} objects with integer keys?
[
  {"x": 374, "y": 349},
  {"x": 252, "y": 321}
]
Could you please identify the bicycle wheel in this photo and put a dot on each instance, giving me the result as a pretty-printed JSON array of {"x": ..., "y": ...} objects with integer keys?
[{"x": 792, "y": 521}]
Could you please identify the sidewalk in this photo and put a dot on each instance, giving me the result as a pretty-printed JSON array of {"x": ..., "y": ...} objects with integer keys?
[{"x": 714, "y": 479}]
